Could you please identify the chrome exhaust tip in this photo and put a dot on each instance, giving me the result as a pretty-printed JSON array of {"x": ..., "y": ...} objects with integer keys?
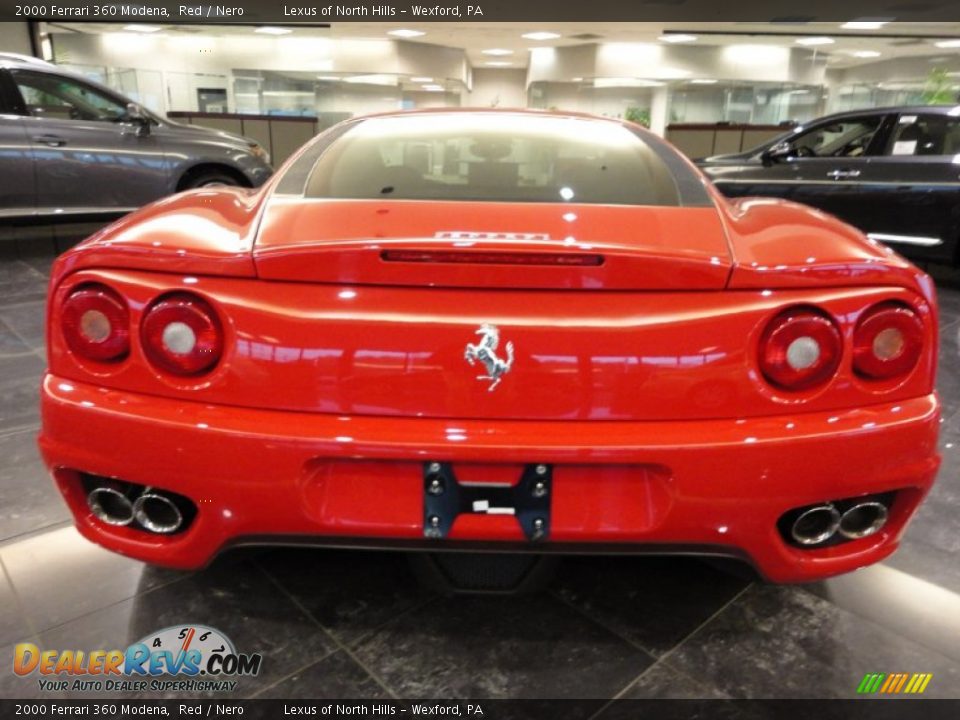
[
  {"x": 863, "y": 520},
  {"x": 815, "y": 525},
  {"x": 157, "y": 513},
  {"x": 110, "y": 505}
]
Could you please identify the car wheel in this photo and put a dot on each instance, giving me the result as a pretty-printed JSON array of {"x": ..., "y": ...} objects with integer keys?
[{"x": 209, "y": 178}]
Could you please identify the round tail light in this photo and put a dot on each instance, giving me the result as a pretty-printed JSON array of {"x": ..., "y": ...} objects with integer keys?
[
  {"x": 887, "y": 342},
  {"x": 800, "y": 349},
  {"x": 96, "y": 323},
  {"x": 182, "y": 335}
]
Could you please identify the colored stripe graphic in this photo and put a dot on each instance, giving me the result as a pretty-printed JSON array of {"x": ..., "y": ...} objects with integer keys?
[
  {"x": 903, "y": 680},
  {"x": 894, "y": 683},
  {"x": 870, "y": 683}
]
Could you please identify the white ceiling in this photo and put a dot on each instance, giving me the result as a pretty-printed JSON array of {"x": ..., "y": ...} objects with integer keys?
[{"x": 893, "y": 40}]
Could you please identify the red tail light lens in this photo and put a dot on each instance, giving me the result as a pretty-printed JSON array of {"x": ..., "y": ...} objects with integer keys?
[
  {"x": 887, "y": 342},
  {"x": 800, "y": 349},
  {"x": 96, "y": 323},
  {"x": 182, "y": 335}
]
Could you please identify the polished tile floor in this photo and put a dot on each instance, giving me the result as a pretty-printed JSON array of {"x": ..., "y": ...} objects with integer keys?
[{"x": 346, "y": 624}]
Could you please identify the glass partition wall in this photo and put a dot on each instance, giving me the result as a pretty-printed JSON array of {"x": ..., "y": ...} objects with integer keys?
[{"x": 688, "y": 101}]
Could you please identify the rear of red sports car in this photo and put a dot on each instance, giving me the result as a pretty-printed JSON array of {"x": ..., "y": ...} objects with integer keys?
[{"x": 491, "y": 330}]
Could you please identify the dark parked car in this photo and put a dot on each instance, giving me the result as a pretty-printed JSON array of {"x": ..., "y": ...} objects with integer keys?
[
  {"x": 892, "y": 172},
  {"x": 71, "y": 146}
]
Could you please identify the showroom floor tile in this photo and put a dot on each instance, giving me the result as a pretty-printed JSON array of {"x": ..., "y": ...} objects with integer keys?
[
  {"x": 787, "y": 642},
  {"x": 341, "y": 624},
  {"x": 524, "y": 647},
  {"x": 26, "y": 503}
]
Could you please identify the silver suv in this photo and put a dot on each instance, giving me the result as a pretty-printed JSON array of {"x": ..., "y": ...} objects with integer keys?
[{"x": 72, "y": 146}]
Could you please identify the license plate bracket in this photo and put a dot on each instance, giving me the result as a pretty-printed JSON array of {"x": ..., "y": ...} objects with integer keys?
[{"x": 445, "y": 498}]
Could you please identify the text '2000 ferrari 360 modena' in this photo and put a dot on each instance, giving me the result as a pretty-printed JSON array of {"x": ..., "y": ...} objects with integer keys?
[{"x": 519, "y": 331}]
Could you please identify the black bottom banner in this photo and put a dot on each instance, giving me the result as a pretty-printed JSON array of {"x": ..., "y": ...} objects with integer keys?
[{"x": 865, "y": 709}]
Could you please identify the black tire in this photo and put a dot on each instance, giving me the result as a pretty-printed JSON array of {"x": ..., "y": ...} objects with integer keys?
[{"x": 209, "y": 178}]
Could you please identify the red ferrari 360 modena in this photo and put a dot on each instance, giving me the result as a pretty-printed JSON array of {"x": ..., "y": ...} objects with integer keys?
[{"x": 493, "y": 330}]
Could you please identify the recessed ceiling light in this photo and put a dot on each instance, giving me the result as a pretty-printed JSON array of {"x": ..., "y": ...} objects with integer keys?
[
  {"x": 948, "y": 43},
  {"x": 703, "y": 81},
  {"x": 677, "y": 38},
  {"x": 421, "y": 79},
  {"x": 329, "y": 78},
  {"x": 864, "y": 24},
  {"x": 433, "y": 88},
  {"x": 866, "y": 54},
  {"x": 814, "y": 41},
  {"x": 405, "y": 33},
  {"x": 497, "y": 63},
  {"x": 601, "y": 82},
  {"x": 542, "y": 35},
  {"x": 143, "y": 28},
  {"x": 273, "y": 31},
  {"x": 577, "y": 79},
  {"x": 497, "y": 51}
]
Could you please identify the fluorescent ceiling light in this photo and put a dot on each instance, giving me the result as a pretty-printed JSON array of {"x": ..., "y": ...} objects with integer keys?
[
  {"x": 948, "y": 43},
  {"x": 372, "y": 79},
  {"x": 864, "y": 24},
  {"x": 866, "y": 54},
  {"x": 678, "y": 38},
  {"x": 614, "y": 82},
  {"x": 404, "y": 33},
  {"x": 497, "y": 51},
  {"x": 497, "y": 63},
  {"x": 143, "y": 28},
  {"x": 814, "y": 41},
  {"x": 273, "y": 30},
  {"x": 433, "y": 88},
  {"x": 542, "y": 35},
  {"x": 578, "y": 79},
  {"x": 703, "y": 81},
  {"x": 330, "y": 78},
  {"x": 421, "y": 79}
]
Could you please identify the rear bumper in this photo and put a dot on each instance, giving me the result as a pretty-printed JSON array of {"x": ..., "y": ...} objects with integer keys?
[{"x": 707, "y": 486}]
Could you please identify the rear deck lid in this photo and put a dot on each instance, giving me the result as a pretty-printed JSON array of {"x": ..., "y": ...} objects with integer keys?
[{"x": 483, "y": 244}]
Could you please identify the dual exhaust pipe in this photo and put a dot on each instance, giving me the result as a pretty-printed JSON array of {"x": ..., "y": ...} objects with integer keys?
[
  {"x": 820, "y": 523},
  {"x": 121, "y": 504}
]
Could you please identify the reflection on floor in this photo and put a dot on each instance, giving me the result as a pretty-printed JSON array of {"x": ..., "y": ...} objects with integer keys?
[{"x": 344, "y": 624}]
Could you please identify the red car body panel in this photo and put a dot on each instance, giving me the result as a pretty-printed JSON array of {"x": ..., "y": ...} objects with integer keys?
[
  {"x": 342, "y": 242},
  {"x": 398, "y": 351},
  {"x": 637, "y": 379}
]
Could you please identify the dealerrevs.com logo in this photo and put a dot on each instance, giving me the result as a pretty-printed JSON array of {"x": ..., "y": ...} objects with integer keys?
[{"x": 189, "y": 658}]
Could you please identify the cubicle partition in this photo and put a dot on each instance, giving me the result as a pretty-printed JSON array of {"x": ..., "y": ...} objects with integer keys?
[{"x": 702, "y": 140}]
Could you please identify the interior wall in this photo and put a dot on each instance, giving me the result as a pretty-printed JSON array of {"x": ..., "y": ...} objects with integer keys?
[
  {"x": 498, "y": 87},
  {"x": 609, "y": 102},
  {"x": 15, "y": 38},
  {"x": 899, "y": 69},
  {"x": 754, "y": 63},
  {"x": 188, "y": 62}
]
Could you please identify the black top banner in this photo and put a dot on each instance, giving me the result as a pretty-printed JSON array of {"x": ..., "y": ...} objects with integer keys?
[{"x": 784, "y": 12}]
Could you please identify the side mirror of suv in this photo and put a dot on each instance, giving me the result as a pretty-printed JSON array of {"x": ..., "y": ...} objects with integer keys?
[{"x": 136, "y": 116}]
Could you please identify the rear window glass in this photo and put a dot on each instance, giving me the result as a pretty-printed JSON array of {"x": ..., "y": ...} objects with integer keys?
[{"x": 493, "y": 157}]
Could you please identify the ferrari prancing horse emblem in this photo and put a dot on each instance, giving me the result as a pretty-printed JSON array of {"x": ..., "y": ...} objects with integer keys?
[{"x": 485, "y": 351}]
